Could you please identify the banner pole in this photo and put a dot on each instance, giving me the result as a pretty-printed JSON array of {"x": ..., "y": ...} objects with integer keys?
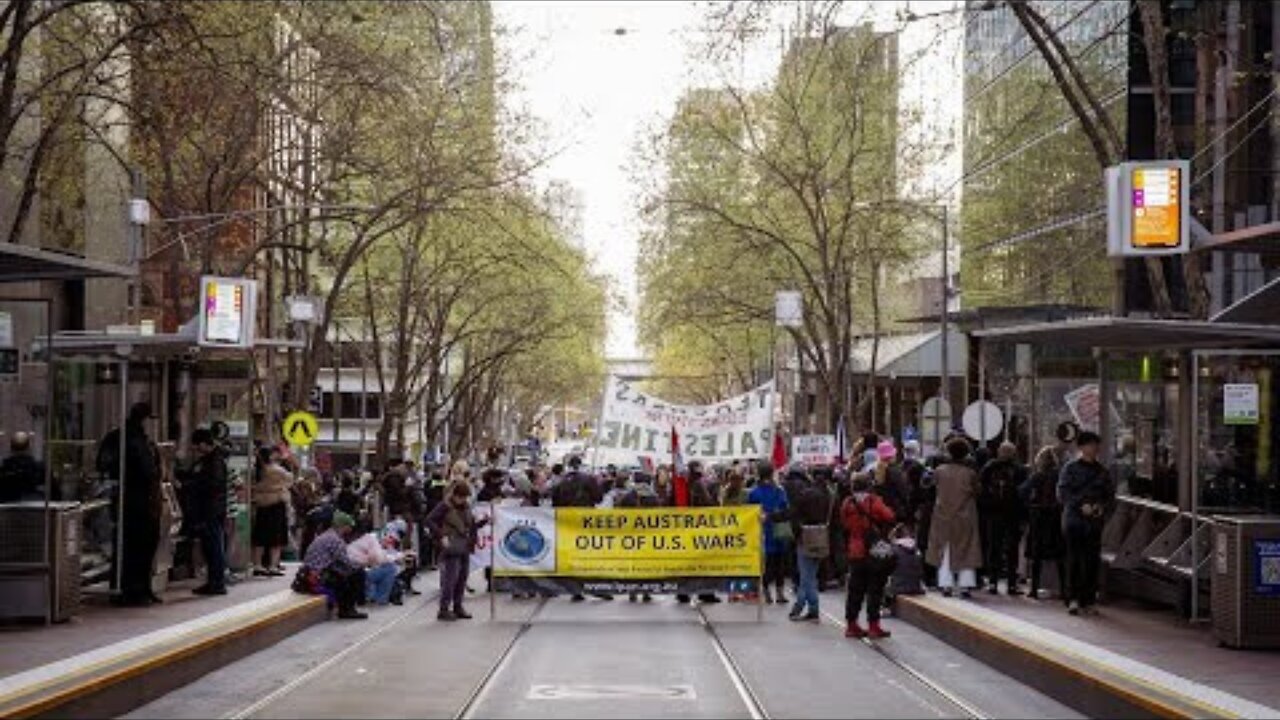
[
  {"x": 493, "y": 568},
  {"x": 595, "y": 435},
  {"x": 760, "y": 587}
]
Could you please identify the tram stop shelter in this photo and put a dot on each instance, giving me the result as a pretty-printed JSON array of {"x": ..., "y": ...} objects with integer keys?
[{"x": 1187, "y": 411}]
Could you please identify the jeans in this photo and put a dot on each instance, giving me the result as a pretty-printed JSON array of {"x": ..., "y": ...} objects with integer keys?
[
  {"x": 807, "y": 593},
  {"x": 378, "y": 583},
  {"x": 454, "y": 570},
  {"x": 864, "y": 583},
  {"x": 215, "y": 553},
  {"x": 1084, "y": 559}
]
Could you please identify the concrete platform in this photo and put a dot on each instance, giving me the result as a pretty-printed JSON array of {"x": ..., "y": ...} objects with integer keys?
[
  {"x": 1127, "y": 662},
  {"x": 111, "y": 660}
]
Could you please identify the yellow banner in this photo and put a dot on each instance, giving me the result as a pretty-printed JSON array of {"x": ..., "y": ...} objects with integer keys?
[{"x": 628, "y": 544}]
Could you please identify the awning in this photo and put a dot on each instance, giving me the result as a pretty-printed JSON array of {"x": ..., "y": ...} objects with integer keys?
[
  {"x": 1139, "y": 334},
  {"x": 916, "y": 355},
  {"x": 20, "y": 263},
  {"x": 1260, "y": 306}
]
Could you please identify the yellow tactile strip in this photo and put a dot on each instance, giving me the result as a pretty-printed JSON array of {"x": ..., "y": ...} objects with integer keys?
[
  {"x": 48, "y": 694},
  {"x": 1157, "y": 698}
]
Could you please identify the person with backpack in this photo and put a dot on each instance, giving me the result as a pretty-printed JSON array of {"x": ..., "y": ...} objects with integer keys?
[
  {"x": 1002, "y": 510},
  {"x": 866, "y": 519},
  {"x": 810, "y": 517}
]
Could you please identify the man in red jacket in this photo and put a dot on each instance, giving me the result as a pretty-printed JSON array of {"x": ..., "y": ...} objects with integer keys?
[{"x": 866, "y": 518}]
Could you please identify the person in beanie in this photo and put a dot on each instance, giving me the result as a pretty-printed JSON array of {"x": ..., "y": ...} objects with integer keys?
[
  {"x": 454, "y": 527},
  {"x": 327, "y": 560},
  {"x": 865, "y": 517}
]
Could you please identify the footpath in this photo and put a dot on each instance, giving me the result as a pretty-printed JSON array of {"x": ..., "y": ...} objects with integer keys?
[
  {"x": 108, "y": 660},
  {"x": 1127, "y": 661}
]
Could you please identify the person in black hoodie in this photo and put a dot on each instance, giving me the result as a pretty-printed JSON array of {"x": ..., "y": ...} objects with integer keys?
[
  {"x": 207, "y": 510},
  {"x": 1085, "y": 491},
  {"x": 141, "y": 508},
  {"x": 1001, "y": 510}
]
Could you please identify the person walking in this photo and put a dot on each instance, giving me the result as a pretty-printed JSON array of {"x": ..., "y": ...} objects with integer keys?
[
  {"x": 207, "y": 508},
  {"x": 866, "y": 519},
  {"x": 455, "y": 529},
  {"x": 778, "y": 535},
  {"x": 1004, "y": 514},
  {"x": 811, "y": 513},
  {"x": 271, "y": 513},
  {"x": 954, "y": 547},
  {"x": 1085, "y": 490},
  {"x": 1039, "y": 492}
]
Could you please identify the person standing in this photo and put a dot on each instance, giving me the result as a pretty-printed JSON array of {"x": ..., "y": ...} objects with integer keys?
[
  {"x": 577, "y": 489},
  {"x": 954, "y": 546},
  {"x": 271, "y": 513},
  {"x": 811, "y": 513},
  {"x": 640, "y": 495},
  {"x": 207, "y": 509},
  {"x": 1085, "y": 490},
  {"x": 141, "y": 512},
  {"x": 1044, "y": 536},
  {"x": 455, "y": 528},
  {"x": 1001, "y": 478},
  {"x": 777, "y": 531},
  {"x": 888, "y": 480},
  {"x": 865, "y": 517},
  {"x": 21, "y": 475}
]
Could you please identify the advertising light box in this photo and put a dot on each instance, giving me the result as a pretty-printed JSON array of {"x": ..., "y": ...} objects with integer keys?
[
  {"x": 228, "y": 307},
  {"x": 1148, "y": 204}
]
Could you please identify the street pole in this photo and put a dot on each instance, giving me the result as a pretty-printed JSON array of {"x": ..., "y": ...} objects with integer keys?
[{"x": 945, "y": 319}]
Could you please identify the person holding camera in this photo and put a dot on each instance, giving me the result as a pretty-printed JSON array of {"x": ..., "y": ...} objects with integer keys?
[{"x": 1085, "y": 490}]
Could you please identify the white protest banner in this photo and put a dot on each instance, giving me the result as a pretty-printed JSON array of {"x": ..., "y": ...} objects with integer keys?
[
  {"x": 814, "y": 449},
  {"x": 635, "y": 425}
]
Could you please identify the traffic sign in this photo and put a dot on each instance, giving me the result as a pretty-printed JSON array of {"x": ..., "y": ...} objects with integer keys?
[
  {"x": 983, "y": 420},
  {"x": 300, "y": 428}
]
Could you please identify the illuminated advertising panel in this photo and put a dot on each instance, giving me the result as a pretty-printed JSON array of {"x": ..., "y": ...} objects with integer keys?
[
  {"x": 227, "y": 310},
  {"x": 1147, "y": 208}
]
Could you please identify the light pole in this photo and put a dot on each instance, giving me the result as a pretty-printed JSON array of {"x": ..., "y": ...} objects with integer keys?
[{"x": 945, "y": 314}]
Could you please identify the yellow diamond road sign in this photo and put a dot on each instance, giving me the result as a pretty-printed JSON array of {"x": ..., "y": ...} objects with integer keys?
[{"x": 300, "y": 428}]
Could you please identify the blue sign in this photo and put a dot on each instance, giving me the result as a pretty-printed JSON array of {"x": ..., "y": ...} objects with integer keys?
[
  {"x": 1266, "y": 567},
  {"x": 910, "y": 433}
]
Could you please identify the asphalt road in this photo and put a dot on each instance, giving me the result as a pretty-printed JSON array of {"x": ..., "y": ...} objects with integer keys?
[{"x": 603, "y": 659}]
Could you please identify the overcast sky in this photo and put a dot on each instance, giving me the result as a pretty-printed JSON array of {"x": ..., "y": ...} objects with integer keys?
[{"x": 595, "y": 92}]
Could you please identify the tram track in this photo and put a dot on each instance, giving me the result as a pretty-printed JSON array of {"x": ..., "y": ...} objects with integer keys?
[
  {"x": 970, "y": 710},
  {"x": 740, "y": 683},
  {"x": 477, "y": 693}
]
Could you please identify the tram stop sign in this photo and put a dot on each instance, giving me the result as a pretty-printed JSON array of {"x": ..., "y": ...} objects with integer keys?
[{"x": 300, "y": 428}]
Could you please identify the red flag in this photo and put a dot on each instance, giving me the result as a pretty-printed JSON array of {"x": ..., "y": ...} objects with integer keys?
[
  {"x": 779, "y": 452},
  {"x": 679, "y": 481}
]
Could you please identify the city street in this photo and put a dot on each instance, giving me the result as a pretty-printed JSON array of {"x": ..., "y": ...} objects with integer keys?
[{"x": 605, "y": 659}]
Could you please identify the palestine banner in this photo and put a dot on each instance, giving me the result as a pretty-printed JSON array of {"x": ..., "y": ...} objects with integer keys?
[
  {"x": 635, "y": 426},
  {"x": 611, "y": 551}
]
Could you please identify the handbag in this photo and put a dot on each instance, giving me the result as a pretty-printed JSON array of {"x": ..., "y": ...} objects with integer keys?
[
  {"x": 815, "y": 540},
  {"x": 783, "y": 532}
]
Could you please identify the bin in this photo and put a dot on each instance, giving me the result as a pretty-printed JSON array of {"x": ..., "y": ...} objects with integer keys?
[
  {"x": 1245, "y": 572},
  {"x": 27, "y": 588}
]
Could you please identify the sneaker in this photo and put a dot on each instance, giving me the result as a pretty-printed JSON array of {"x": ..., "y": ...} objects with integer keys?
[
  {"x": 875, "y": 632},
  {"x": 854, "y": 631},
  {"x": 461, "y": 614},
  {"x": 811, "y": 617},
  {"x": 206, "y": 590},
  {"x": 261, "y": 572},
  {"x": 768, "y": 596},
  {"x": 647, "y": 597},
  {"x": 445, "y": 616},
  {"x": 796, "y": 613},
  {"x": 352, "y": 615},
  {"x": 577, "y": 598},
  {"x": 1073, "y": 608},
  {"x": 781, "y": 599}
]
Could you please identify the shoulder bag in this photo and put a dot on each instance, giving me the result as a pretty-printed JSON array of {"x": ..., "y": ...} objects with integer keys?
[{"x": 815, "y": 540}]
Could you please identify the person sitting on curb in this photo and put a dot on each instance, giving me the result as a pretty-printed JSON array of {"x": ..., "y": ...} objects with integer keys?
[
  {"x": 380, "y": 569},
  {"x": 329, "y": 571}
]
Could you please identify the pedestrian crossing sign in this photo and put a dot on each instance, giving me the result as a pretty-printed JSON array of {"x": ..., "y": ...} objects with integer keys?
[{"x": 300, "y": 428}]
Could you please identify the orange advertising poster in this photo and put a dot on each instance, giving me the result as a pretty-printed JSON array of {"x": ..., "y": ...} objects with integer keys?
[{"x": 1157, "y": 211}]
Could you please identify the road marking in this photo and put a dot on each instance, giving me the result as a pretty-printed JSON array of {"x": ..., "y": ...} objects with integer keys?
[{"x": 612, "y": 692}]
